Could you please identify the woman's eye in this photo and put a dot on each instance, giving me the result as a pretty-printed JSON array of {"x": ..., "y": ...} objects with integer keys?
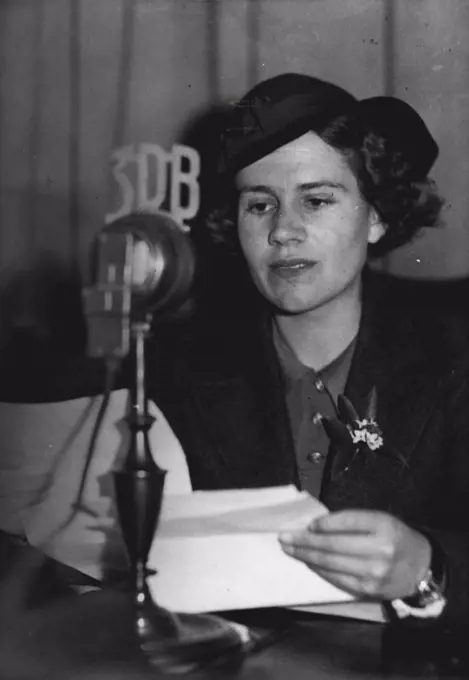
[
  {"x": 259, "y": 207},
  {"x": 317, "y": 202}
]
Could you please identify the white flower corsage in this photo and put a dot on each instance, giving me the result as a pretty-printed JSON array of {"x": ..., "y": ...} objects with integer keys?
[
  {"x": 368, "y": 431},
  {"x": 354, "y": 435}
]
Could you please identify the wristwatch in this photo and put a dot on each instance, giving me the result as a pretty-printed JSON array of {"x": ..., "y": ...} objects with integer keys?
[{"x": 429, "y": 599}]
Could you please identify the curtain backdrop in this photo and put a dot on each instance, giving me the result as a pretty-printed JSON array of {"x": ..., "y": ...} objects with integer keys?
[{"x": 82, "y": 78}]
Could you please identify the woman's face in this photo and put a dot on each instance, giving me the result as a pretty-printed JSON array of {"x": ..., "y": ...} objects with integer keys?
[{"x": 303, "y": 225}]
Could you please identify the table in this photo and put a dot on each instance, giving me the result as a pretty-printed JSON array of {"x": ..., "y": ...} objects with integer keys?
[{"x": 87, "y": 637}]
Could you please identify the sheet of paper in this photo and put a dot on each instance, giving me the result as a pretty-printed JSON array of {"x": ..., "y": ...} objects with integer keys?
[
  {"x": 219, "y": 551},
  {"x": 358, "y": 609}
]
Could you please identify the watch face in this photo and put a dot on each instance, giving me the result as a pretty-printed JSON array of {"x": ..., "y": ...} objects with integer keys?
[
  {"x": 428, "y": 592},
  {"x": 430, "y": 600}
]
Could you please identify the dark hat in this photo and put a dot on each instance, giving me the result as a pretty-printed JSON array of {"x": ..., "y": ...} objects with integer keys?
[
  {"x": 284, "y": 107},
  {"x": 404, "y": 130},
  {"x": 274, "y": 113}
]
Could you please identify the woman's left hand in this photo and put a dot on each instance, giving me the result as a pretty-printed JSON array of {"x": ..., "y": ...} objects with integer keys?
[{"x": 367, "y": 553}]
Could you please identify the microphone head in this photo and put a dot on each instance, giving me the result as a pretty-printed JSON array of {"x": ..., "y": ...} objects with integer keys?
[
  {"x": 162, "y": 261},
  {"x": 145, "y": 268}
]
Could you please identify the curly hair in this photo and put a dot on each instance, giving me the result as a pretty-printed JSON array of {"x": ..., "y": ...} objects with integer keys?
[{"x": 404, "y": 202}]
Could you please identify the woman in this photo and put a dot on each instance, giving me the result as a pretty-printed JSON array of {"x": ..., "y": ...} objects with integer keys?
[
  {"x": 326, "y": 384},
  {"x": 314, "y": 376}
]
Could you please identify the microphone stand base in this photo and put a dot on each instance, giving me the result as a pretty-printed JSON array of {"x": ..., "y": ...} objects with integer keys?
[
  {"x": 181, "y": 642},
  {"x": 199, "y": 641}
]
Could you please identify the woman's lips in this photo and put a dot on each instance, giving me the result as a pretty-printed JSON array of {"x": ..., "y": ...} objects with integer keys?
[{"x": 292, "y": 268}]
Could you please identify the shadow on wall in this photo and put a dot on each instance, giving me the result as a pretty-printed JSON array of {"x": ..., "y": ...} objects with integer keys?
[
  {"x": 41, "y": 308},
  {"x": 223, "y": 283},
  {"x": 40, "y": 286}
]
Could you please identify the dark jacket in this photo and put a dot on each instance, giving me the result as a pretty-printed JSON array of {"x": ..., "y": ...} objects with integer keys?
[{"x": 223, "y": 396}]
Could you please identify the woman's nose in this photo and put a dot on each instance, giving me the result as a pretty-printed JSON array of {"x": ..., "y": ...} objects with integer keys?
[{"x": 287, "y": 226}]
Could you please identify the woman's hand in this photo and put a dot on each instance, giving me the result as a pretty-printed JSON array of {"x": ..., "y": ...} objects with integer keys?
[{"x": 367, "y": 553}]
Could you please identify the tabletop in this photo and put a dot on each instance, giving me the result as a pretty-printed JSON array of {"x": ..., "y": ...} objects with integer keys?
[{"x": 48, "y": 631}]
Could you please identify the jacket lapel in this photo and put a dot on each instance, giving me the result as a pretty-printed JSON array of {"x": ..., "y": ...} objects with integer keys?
[{"x": 390, "y": 363}]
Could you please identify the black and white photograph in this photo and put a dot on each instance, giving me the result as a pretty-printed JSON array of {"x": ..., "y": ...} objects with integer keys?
[{"x": 234, "y": 339}]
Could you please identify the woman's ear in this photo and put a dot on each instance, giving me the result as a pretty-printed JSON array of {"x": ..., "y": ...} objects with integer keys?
[{"x": 376, "y": 227}]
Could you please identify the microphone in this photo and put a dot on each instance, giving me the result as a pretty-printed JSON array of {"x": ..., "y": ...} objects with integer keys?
[{"x": 145, "y": 267}]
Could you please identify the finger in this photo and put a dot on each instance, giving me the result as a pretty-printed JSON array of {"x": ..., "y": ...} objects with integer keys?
[
  {"x": 352, "y": 521},
  {"x": 351, "y": 584},
  {"x": 364, "y": 545},
  {"x": 327, "y": 562}
]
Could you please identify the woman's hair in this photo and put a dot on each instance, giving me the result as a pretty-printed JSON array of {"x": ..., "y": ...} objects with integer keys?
[{"x": 387, "y": 147}]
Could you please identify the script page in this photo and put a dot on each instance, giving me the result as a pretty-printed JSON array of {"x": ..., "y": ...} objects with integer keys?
[{"x": 219, "y": 550}]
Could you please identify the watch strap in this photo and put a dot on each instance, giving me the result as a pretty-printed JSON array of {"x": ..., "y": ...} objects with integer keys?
[
  {"x": 429, "y": 601},
  {"x": 434, "y": 583}
]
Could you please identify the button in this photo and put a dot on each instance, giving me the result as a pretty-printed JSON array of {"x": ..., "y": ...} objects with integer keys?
[
  {"x": 314, "y": 457},
  {"x": 317, "y": 417},
  {"x": 319, "y": 385}
]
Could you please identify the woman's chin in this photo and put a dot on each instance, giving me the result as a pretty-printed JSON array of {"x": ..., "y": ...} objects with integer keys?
[{"x": 294, "y": 306}]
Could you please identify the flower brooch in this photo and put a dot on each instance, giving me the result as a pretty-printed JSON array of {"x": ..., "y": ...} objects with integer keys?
[
  {"x": 354, "y": 435},
  {"x": 367, "y": 431}
]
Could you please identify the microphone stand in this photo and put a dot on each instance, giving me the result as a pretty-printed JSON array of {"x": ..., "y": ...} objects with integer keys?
[
  {"x": 120, "y": 307},
  {"x": 173, "y": 642},
  {"x": 139, "y": 483}
]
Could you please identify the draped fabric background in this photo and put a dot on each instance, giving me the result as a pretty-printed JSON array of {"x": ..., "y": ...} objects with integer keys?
[{"x": 80, "y": 78}]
